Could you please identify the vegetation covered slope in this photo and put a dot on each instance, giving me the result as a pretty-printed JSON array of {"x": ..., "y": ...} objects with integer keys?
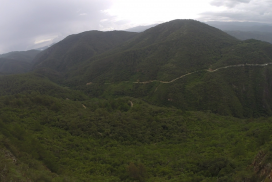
[
  {"x": 26, "y": 56},
  {"x": 244, "y": 35},
  {"x": 168, "y": 51},
  {"x": 162, "y": 52},
  {"x": 17, "y": 62},
  {"x": 43, "y": 138},
  {"x": 12, "y": 66},
  {"x": 76, "y": 48},
  {"x": 33, "y": 83},
  {"x": 149, "y": 64},
  {"x": 109, "y": 140}
]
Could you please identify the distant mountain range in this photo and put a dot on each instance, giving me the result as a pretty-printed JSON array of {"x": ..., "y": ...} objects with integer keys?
[
  {"x": 140, "y": 28},
  {"x": 150, "y": 65},
  {"x": 225, "y": 26},
  {"x": 137, "y": 64},
  {"x": 17, "y": 62},
  {"x": 245, "y": 35},
  {"x": 241, "y": 26},
  {"x": 239, "y": 30}
]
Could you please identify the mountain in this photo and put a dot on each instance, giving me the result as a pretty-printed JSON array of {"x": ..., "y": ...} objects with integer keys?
[
  {"x": 241, "y": 26},
  {"x": 239, "y": 30},
  {"x": 162, "y": 52},
  {"x": 12, "y": 66},
  {"x": 140, "y": 28},
  {"x": 17, "y": 62},
  {"x": 44, "y": 47},
  {"x": 245, "y": 35},
  {"x": 25, "y": 56},
  {"x": 151, "y": 64},
  {"x": 245, "y": 30},
  {"x": 225, "y": 26},
  {"x": 80, "y": 47}
]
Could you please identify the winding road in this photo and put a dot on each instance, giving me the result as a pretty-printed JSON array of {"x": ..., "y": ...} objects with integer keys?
[{"x": 209, "y": 70}]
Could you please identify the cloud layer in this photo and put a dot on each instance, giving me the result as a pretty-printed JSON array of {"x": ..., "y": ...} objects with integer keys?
[
  {"x": 25, "y": 22},
  {"x": 29, "y": 23},
  {"x": 228, "y": 3},
  {"x": 241, "y": 10}
]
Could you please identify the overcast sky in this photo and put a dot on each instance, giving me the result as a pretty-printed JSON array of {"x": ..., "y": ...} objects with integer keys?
[{"x": 25, "y": 24}]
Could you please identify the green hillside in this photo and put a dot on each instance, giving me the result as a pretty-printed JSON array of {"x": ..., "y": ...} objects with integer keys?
[
  {"x": 161, "y": 55},
  {"x": 12, "y": 66},
  {"x": 77, "y": 48},
  {"x": 49, "y": 139},
  {"x": 163, "y": 52},
  {"x": 171, "y": 50},
  {"x": 17, "y": 62},
  {"x": 25, "y": 56},
  {"x": 34, "y": 83}
]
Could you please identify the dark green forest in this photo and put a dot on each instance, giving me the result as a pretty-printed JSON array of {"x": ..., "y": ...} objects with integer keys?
[{"x": 55, "y": 139}]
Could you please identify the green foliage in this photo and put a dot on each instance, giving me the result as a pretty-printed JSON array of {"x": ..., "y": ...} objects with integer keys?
[
  {"x": 33, "y": 83},
  {"x": 137, "y": 172},
  {"x": 111, "y": 141},
  {"x": 78, "y": 48}
]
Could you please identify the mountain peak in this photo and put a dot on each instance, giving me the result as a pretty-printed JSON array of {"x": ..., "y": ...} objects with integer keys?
[{"x": 181, "y": 30}]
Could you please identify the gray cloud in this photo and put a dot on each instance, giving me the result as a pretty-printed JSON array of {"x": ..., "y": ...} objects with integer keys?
[
  {"x": 228, "y": 3},
  {"x": 24, "y": 22},
  {"x": 253, "y": 11}
]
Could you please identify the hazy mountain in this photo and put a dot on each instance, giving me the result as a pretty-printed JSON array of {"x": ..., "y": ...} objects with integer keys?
[
  {"x": 26, "y": 56},
  {"x": 239, "y": 30},
  {"x": 246, "y": 30},
  {"x": 17, "y": 62},
  {"x": 243, "y": 35},
  {"x": 241, "y": 26},
  {"x": 43, "y": 48},
  {"x": 140, "y": 28},
  {"x": 12, "y": 66}
]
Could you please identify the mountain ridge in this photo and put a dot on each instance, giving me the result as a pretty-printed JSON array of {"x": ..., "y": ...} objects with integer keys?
[
  {"x": 81, "y": 46},
  {"x": 161, "y": 54}
]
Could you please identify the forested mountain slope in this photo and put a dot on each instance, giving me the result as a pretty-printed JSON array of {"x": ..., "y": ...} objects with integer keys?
[
  {"x": 140, "y": 66},
  {"x": 77, "y": 48},
  {"x": 26, "y": 56},
  {"x": 244, "y": 35},
  {"x": 162, "y": 52},
  {"x": 17, "y": 62},
  {"x": 35, "y": 83},
  {"x": 43, "y": 138},
  {"x": 170, "y": 50},
  {"x": 12, "y": 66}
]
